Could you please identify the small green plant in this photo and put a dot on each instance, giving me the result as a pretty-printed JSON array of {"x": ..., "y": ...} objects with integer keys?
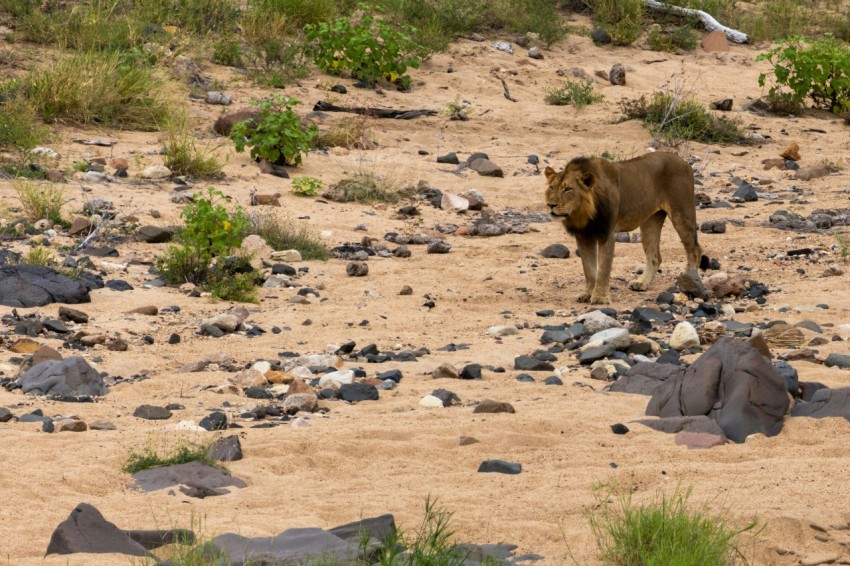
[
  {"x": 817, "y": 69},
  {"x": 148, "y": 457},
  {"x": 209, "y": 232},
  {"x": 227, "y": 51},
  {"x": 365, "y": 188},
  {"x": 38, "y": 255},
  {"x": 40, "y": 201},
  {"x": 577, "y": 93},
  {"x": 279, "y": 136},
  {"x": 183, "y": 154},
  {"x": 370, "y": 49},
  {"x": 284, "y": 235},
  {"x": 683, "y": 37},
  {"x": 457, "y": 110},
  {"x": 20, "y": 132},
  {"x": 680, "y": 118},
  {"x": 227, "y": 284},
  {"x": 661, "y": 533},
  {"x": 843, "y": 244},
  {"x": 306, "y": 186}
]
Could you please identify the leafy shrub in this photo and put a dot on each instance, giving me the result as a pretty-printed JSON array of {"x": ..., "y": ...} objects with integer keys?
[
  {"x": 40, "y": 201},
  {"x": 662, "y": 532},
  {"x": 279, "y": 135},
  {"x": 577, "y": 93},
  {"x": 370, "y": 49},
  {"x": 622, "y": 19},
  {"x": 678, "y": 119},
  {"x": 306, "y": 186},
  {"x": 228, "y": 286},
  {"x": 148, "y": 457},
  {"x": 227, "y": 51},
  {"x": 95, "y": 88},
  {"x": 817, "y": 69},
  {"x": 209, "y": 232},
  {"x": 284, "y": 235},
  {"x": 683, "y": 37}
]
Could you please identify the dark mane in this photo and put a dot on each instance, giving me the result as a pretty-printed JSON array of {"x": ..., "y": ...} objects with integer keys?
[
  {"x": 599, "y": 227},
  {"x": 580, "y": 161}
]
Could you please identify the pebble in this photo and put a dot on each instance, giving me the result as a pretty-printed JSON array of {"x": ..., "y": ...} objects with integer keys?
[
  {"x": 619, "y": 428},
  {"x": 357, "y": 268},
  {"x": 226, "y": 449},
  {"x": 490, "y": 406},
  {"x": 446, "y": 371},
  {"x": 471, "y": 371},
  {"x": 555, "y": 251},
  {"x": 152, "y": 413},
  {"x": 505, "y": 330},
  {"x": 499, "y": 467},
  {"x": 213, "y": 421},
  {"x": 439, "y": 247},
  {"x": 684, "y": 337},
  {"x": 155, "y": 172},
  {"x": 440, "y": 398}
]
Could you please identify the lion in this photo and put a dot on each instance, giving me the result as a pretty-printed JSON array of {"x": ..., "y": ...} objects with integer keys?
[{"x": 595, "y": 198}]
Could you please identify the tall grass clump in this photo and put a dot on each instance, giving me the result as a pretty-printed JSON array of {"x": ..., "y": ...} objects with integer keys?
[
  {"x": 284, "y": 235},
  {"x": 20, "y": 132},
  {"x": 100, "y": 88},
  {"x": 681, "y": 118},
  {"x": 148, "y": 457},
  {"x": 40, "y": 201},
  {"x": 664, "y": 532},
  {"x": 577, "y": 93},
  {"x": 622, "y": 19},
  {"x": 184, "y": 155}
]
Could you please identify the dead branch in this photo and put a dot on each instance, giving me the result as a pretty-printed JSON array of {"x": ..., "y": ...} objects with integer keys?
[
  {"x": 374, "y": 112},
  {"x": 507, "y": 92},
  {"x": 707, "y": 20}
]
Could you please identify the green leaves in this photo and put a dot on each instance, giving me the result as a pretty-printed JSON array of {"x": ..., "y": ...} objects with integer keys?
[
  {"x": 818, "y": 69},
  {"x": 369, "y": 50},
  {"x": 279, "y": 136},
  {"x": 306, "y": 186}
]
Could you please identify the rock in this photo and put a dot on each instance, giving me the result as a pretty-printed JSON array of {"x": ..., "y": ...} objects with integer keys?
[
  {"x": 673, "y": 425},
  {"x": 216, "y": 97},
  {"x": 825, "y": 402},
  {"x": 80, "y": 225},
  {"x": 440, "y": 398},
  {"x": 715, "y": 41},
  {"x": 610, "y": 340},
  {"x": 528, "y": 363},
  {"x": 453, "y": 203},
  {"x": 300, "y": 402},
  {"x": 24, "y": 346},
  {"x": 248, "y": 378},
  {"x": 499, "y": 467},
  {"x": 288, "y": 256},
  {"x": 486, "y": 168},
  {"x": 35, "y": 286},
  {"x": 5, "y": 415},
  {"x": 838, "y": 360},
  {"x": 155, "y": 234},
  {"x": 204, "y": 477},
  {"x": 684, "y": 337},
  {"x": 449, "y": 158},
  {"x": 698, "y": 440},
  {"x": 224, "y": 322},
  {"x": 490, "y": 406},
  {"x": 102, "y": 425},
  {"x": 155, "y": 172},
  {"x": 293, "y": 546},
  {"x": 214, "y": 421},
  {"x": 534, "y": 53},
  {"x": 66, "y": 379},
  {"x": 792, "y": 152},
  {"x": 600, "y": 36},
  {"x": 224, "y": 124},
  {"x": 438, "y": 247},
  {"x": 446, "y": 371},
  {"x": 377, "y": 528},
  {"x": 502, "y": 330},
  {"x": 783, "y": 336},
  {"x": 644, "y": 378},
  {"x": 733, "y": 384},
  {"x": 147, "y": 310},
  {"x": 617, "y": 75},
  {"x": 809, "y": 173},
  {"x": 87, "y": 531},
  {"x": 597, "y": 321},
  {"x": 357, "y": 269},
  {"x": 70, "y": 425},
  {"x": 713, "y": 227},
  {"x": 745, "y": 193},
  {"x": 356, "y": 392},
  {"x": 475, "y": 199},
  {"x": 226, "y": 449},
  {"x": 619, "y": 428},
  {"x": 724, "y": 105},
  {"x": 471, "y": 371},
  {"x": 184, "y": 69},
  {"x": 555, "y": 251},
  {"x": 152, "y": 413},
  {"x": 337, "y": 379}
]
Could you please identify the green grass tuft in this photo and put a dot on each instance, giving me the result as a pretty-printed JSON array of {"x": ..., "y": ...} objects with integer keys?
[
  {"x": 679, "y": 119},
  {"x": 148, "y": 457},
  {"x": 40, "y": 201},
  {"x": 577, "y": 93},
  {"x": 284, "y": 235}
]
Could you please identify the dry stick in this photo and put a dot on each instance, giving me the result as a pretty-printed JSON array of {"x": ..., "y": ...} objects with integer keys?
[
  {"x": 709, "y": 22},
  {"x": 507, "y": 92}
]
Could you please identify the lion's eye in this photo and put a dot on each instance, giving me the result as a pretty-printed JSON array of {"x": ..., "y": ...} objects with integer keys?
[{"x": 567, "y": 189}]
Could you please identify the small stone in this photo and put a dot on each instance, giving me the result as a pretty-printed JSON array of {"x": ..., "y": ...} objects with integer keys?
[
  {"x": 446, "y": 371},
  {"x": 499, "y": 467},
  {"x": 148, "y": 310},
  {"x": 792, "y": 152},
  {"x": 214, "y": 421},
  {"x": 528, "y": 363},
  {"x": 471, "y": 371},
  {"x": 216, "y": 97},
  {"x": 406, "y": 290},
  {"x": 838, "y": 360},
  {"x": 357, "y": 269},
  {"x": 70, "y": 425},
  {"x": 713, "y": 227},
  {"x": 555, "y": 251},
  {"x": 684, "y": 337},
  {"x": 226, "y": 449},
  {"x": 24, "y": 346},
  {"x": 440, "y": 398},
  {"x": 467, "y": 440},
  {"x": 356, "y": 392},
  {"x": 439, "y": 247},
  {"x": 600, "y": 36},
  {"x": 504, "y": 330},
  {"x": 174, "y": 338},
  {"x": 535, "y": 53},
  {"x": 453, "y": 203},
  {"x": 155, "y": 234},
  {"x": 617, "y": 75},
  {"x": 449, "y": 158},
  {"x": 300, "y": 402},
  {"x": 5, "y": 415},
  {"x": 152, "y": 413},
  {"x": 486, "y": 168},
  {"x": 553, "y": 380},
  {"x": 490, "y": 406},
  {"x": 745, "y": 193},
  {"x": 73, "y": 315},
  {"x": 619, "y": 428},
  {"x": 102, "y": 425},
  {"x": 155, "y": 172},
  {"x": 289, "y": 256}
]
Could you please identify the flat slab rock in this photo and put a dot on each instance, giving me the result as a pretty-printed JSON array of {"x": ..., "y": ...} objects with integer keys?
[
  {"x": 207, "y": 479},
  {"x": 292, "y": 546},
  {"x": 67, "y": 379},
  {"x": 825, "y": 403},
  {"x": 672, "y": 425},
  {"x": 35, "y": 286}
]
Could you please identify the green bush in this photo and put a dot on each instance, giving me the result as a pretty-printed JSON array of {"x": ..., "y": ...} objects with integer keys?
[
  {"x": 306, "y": 186},
  {"x": 679, "y": 119},
  {"x": 817, "y": 69},
  {"x": 662, "y": 533},
  {"x": 227, "y": 51},
  {"x": 209, "y": 232},
  {"x": 279, "y": 135},
  {"x": 227, "y": 284},
  {"x": 577, "y": 93},
  {"x": 369, "y": 49},
  {"x": 683, "y": 37},
  {"x": 622, "y": 19}
]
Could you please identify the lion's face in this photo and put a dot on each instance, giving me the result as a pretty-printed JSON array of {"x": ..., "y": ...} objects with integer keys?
[{"x": 568, "y": 192}]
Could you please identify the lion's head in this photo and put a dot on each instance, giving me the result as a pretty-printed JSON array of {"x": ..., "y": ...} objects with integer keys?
[{"x": 570, "y": 192}]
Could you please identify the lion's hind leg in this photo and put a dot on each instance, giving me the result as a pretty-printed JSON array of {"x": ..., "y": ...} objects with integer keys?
[{"x": 650, "y": 237}]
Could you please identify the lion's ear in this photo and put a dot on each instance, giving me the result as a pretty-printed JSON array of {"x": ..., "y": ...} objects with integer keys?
[
  {"x": 550, "y": 173},
  {"x": 587, "y": 179}
]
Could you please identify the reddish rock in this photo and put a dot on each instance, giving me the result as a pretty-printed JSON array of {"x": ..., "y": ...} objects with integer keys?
[
  {"x": 698, "y": 440},
  {"x": 715, "y": 41}
]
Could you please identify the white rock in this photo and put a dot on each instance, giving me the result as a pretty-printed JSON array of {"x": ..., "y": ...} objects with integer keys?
[
  {"x": 326, "y": 234},
  {"x": 327, "y": 360},
  {"x": 301, "y": 372},
  {"x": 507, "y": 330},
  {"x": 454, "y": 203},
  {"x": 155, "y": 172},
  {"x": 248, "y": 378},
  {"x": 431, "y": 401},
  {"x": 262, "y": 366},
  {"x": 255, "y": 248},
  {"x": 287, "y": 255},
  {"x": 641, "y": 358},
  {"x": 305, "y": 402},
  {"x": 684, "y": 336},
  {"x": 612, "y": 339},
  {"x": 186, "y": 425},
  {"x": 597, "y": 321},
  {"x": 95, "y": 177},
  {"x": 216, "y": 97},
  {"x": 226, "y": 322},
  {"x": 337, "y": 378},
  {"x": 44, "y": 152},
  {"x": 300, "y": 422},
  {"x": 278, "y": 280},
  {"x": 728, "y": 310}
]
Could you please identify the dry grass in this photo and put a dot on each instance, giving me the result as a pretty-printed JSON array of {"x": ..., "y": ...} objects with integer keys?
[{"x": 352, "y": 133}]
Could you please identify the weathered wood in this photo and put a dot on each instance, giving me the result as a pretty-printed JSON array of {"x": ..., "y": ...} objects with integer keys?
[
  {"x": 507, "y": 93},
  {"x": 707, "y": 20},
  {"x": 374, "y": 112}
]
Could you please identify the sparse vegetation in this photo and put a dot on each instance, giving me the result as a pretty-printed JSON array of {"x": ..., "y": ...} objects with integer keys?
[
  {"x": 457, "y": 110},
  {"x": 38, "y": 255},
  {"x": 184, "y": 155},
  {"x": 306, "y": 186},
  {"x": 20, "y": 132},
  {"x": 681, "y": 118},
  {"x": 577, "y": 93},
  {"x": 843, "y": 244},
  {"x": 227, "y": 51},
  {"x": 819, "y": 70},
  {"x": 284, "y": 235},
  {"x": 350, "y": 132},
  {"x": 682, "y": 37},
  {"x": 366, "y": 188},
  {"x": 622, "y": 19},
  {"x": 661, "y": 533},
  {"x": 183, "y": 453},
  {"x": 279, "y": 136},
  {"x": 40, "y": 201}
]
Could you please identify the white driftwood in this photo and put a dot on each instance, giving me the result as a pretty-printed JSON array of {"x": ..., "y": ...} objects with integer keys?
[{"x": 710, "y": 23}]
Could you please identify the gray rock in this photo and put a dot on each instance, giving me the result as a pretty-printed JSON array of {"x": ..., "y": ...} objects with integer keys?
[
  {"x": 5, "y": 415},
  {"x": 155, "y": 234},
  {"x": 838, "y": 360},
  {"x": 499, "y": 467},
  {"x": 527, "y": 363},
  {"x": 617, "y": 75},
  {"x": 600, "y": 36},
  {"x": 644, "y": 378},
  {"x": 300, "y": 402},
  {"x": 225, "y": 122},
  {"x": 214, "y": 421},
  {"x": 152, "y": 413},
  {"x": 490, "y": 406},
  {"x": 449, "y": 158},
  {"x": 69, "y": 378},
  {"x": 291, "y": 547},
  {"x": 191, "y": 474},
  {"x": 439, "y": 247},
  {"x": 713, "y": 227},
  {"x": 87, "y": 531},
  {"x": 556, "y": 251},
  {"x": 27, "y": 286},
  {"x": 486, "y": 168},
  {"x": 673, "y": 425},
  {"x": 825, "y": 403},
  {"x": 226, "y": 449},
  {"x": 355, "y": 392},
  {"x": 745, "y": 193},
  {"x": 378, "y": 528},
  {"x": 357, "y": 269}
]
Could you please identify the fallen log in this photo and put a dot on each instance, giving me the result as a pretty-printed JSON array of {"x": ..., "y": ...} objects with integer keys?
[
  {"x": 707, "y": 20},
  {"x": 374, "y": 112}
]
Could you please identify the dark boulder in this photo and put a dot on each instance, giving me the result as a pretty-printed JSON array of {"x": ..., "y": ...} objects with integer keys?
[
  {"x": 825, "y": 403},
  {"x": 64, "y": 379},
  {"x": 644, "y": 378},
  {"x": 35, "y": 286}
]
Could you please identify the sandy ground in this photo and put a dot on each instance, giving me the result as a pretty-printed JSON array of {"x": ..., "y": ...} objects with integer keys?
[{"x": 388, "y": 456}]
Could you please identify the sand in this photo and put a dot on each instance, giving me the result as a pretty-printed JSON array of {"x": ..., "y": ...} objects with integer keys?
[{"x": 389, "y": 456}]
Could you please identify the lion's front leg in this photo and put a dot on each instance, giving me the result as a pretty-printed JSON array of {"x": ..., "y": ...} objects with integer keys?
[
  {"x": 602, "y": 291},
  {"x": 587, "y": 250}
]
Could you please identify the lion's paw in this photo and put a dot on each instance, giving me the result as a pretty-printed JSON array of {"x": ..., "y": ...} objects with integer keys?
[
  {"x": 638, "y": 285},
  {"x": 600, "y": 299},
  {"x": 583, "y": 298}
]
